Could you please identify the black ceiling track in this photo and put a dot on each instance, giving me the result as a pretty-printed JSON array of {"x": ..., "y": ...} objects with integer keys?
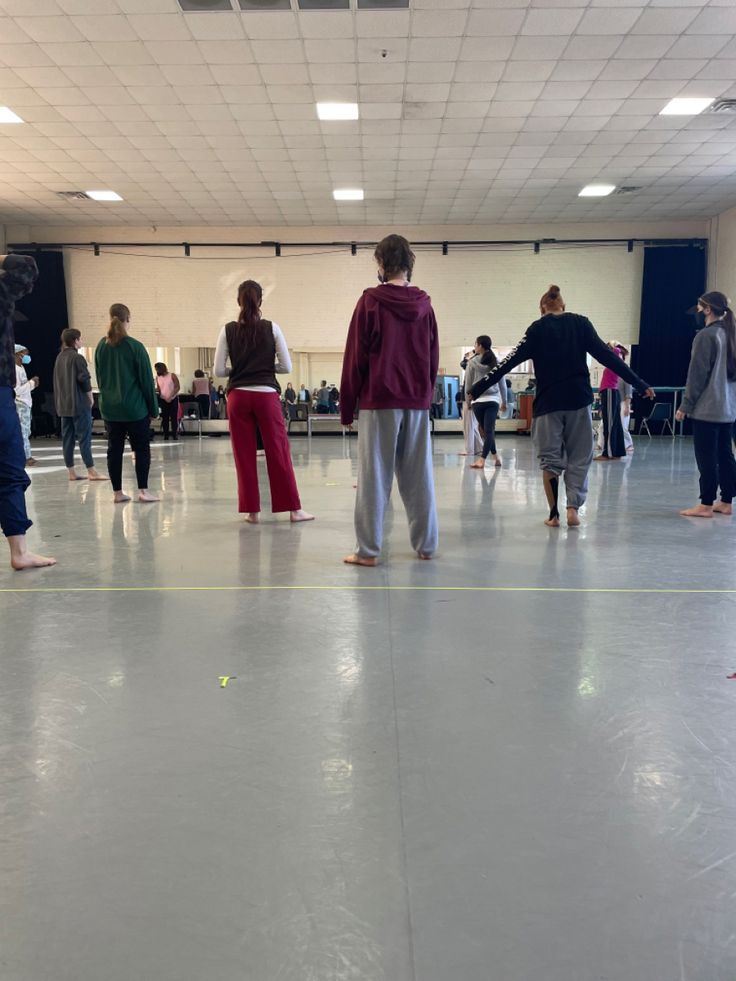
[{"x": 445, "y": 245}]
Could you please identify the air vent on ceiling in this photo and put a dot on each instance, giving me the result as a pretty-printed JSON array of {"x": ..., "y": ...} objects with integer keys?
[
  {"x": 265, "y": 5},
  {"x": 200, "y": 6},
  {"x": 723, "y": 105},
  {"x": 383, "y": 4},
  {"x": 323, "y": 4},
  {"x": 73, "y": 196},
  {"x": 627, "y": 189}
]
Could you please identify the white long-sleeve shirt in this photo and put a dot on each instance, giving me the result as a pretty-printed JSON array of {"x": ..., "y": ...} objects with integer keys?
[
  {"x": 282, "y": 366},
  {"x": 23, "y": 387}
]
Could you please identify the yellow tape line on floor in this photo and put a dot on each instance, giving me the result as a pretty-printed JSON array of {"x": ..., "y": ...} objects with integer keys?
[{"x": 377, "y": 589}]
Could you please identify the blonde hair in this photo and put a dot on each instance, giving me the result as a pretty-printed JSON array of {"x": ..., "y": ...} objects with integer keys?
[{"x": 119, "y": 317}]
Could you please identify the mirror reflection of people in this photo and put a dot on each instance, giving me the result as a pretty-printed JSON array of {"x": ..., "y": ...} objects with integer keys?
[
  {"x": 709, "y": 401},
  {"x": 201, "y": 392}
]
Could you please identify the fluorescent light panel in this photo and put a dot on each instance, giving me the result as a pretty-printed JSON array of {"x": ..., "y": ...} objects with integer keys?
[
  {"x": 596, "y": 190},
  {"x": 103, "y": 195},
  {"x": 8, "y": 116},
  {"x": 685, "y": 107},
  {"x": 348, "y": 194},
  {"x": 337, "y": 110}
]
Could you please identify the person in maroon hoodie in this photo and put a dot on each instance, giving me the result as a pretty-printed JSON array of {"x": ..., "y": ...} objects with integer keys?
[{"x": 389, "y": 368}]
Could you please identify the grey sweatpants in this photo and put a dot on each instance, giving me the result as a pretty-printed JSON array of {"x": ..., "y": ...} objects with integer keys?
[
  {"x": 394, "y": 441},
  {"x": 564, "y": 443}
]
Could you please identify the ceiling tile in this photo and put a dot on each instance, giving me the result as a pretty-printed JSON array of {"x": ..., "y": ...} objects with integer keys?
[
  {"x": 496, "y": 23},
  {"x": 125, "y": 53},
  {"x": 96, "y": 28},
  {"x": 218, "y": 26},
  {"x": 160, "y": 27},
  {"x": 46, "y": 30}
]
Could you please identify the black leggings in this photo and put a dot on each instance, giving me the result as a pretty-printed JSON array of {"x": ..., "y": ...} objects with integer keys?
[
  {"x": 204, "y": 406},
  {"x": 139, "y": 434},
  {"x": 714, "y": 456},
  {"x": 486, "y": 413},
  {"x": 169, "y": 416}
]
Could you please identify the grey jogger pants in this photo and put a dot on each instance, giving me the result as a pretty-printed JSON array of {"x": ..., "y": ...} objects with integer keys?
[
  {"x": 564, "y": 443},
  {"x": 395, "y": 441}
]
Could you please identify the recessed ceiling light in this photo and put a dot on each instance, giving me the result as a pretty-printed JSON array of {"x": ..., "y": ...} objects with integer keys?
[
  {"x": 596, "y": 190},
  {"x": 348, "y": 194},
  {"x": 337, "y": 110},
  {"x": 685, "y": 107},
  {"x": 8, "y": 116},
  {"x": 103, "y": 195}
]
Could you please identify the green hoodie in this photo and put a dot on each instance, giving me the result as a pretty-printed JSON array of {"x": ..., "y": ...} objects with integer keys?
[{"x": 125, "y": 380}]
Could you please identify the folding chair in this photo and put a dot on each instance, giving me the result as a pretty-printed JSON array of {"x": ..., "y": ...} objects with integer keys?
[{"x": 662, "y": 412}]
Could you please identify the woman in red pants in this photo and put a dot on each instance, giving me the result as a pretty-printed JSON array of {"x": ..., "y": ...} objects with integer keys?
[{"x": 256, "y": 350}]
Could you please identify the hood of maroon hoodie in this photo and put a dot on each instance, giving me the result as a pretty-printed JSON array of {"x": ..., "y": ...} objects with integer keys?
[{"x": 404, "y": 302}]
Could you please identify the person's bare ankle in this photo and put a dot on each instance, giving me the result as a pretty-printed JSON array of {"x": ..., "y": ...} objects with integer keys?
[
  {"x": 301, "y": 515},
  {"x": 698, "y": 511},
  {"x": 146, "y": 497},
  {"x": 723, "y": 507},
  {"x": 356, "y": 559},
  {"x": 21, "y": 558},
  {"x": 573, "y": 519},
  {"x": 120, "y": 498},
  {"x": 253, "y": 517}
]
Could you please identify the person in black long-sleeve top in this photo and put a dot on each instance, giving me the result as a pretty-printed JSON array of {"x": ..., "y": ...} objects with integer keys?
[
  {"x": 18, "y": 273},
  {"x": 558, "y": 344}
]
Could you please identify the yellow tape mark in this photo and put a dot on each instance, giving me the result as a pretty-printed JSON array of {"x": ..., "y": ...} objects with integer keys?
[{"x": 224, "y": 678}]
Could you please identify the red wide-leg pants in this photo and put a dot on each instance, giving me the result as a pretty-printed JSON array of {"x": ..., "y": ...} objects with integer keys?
[{"x": 247, "y": 411}]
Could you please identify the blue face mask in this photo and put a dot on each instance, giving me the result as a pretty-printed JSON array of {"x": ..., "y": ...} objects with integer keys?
[{"x": 26, "y": 359}]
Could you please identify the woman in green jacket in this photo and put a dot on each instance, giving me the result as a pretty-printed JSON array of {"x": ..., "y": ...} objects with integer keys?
[{"x": 127, "y": 402}]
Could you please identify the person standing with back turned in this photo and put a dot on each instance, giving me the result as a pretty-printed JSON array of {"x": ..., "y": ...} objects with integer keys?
[
  {"x": 73, "y": 403},
  {"x": 18, "y": 273},
  {"x": 257, "y": 350},
  {"x": 127, "y": 402},
  {"x": 710, "y": 401},
  {"x": 390, "y": 367},
  {"x": 562, "y": 427}
]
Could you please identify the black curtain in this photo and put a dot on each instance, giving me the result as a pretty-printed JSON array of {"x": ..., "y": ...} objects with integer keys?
[
  {"x": 674, "y": 278},
  {"x": 43, "y": 316}
]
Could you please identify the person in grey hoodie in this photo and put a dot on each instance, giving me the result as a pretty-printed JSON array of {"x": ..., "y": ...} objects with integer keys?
[
  {"x": 710, "y": 402},
  {"x": 73, "y": 403},
  {"x": 488, "y": 405}
]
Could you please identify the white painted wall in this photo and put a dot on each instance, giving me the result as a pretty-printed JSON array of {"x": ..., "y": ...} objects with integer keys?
[{"x": 722, "y": 255}]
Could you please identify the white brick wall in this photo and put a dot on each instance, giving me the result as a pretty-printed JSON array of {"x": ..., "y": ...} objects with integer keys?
[{"x": 184, "y": 302}]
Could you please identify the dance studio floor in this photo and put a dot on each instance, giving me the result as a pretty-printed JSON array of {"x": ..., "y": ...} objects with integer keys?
[{"x": 515, "y": 763}]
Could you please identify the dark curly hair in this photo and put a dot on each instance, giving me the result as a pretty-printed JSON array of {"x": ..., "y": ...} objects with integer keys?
[{"x": 395, "y": 255}]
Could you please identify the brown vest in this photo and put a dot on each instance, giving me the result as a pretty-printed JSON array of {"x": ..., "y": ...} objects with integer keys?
[{"x": 252, "y": 353}]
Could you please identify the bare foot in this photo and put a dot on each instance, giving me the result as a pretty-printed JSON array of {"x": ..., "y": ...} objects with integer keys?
[
  {"x": 425, "y": 556},
  {"x": 30, "y": 462},
  {"x": 573, "y": 520},
  {"x": 497, "y": 461},
  {"x": 359, "y": 560},
  {"x": 253, "y": 518},
  {"x": 146, "y": 497},
  {"x": 552, "y": 522},
  {"x": 301, "y": 516},
  {"x": 699, "y": 511},
  {"x": 95, "y": 475},
  {"x": 480, "y": 465},
  {"x": 30, "y": 561},
  {"x": 722, "y": 508},
  {"x": 120, "y": 498},
  {"x": 602, "y": 459},
  {"x": 75, "y": 476}
]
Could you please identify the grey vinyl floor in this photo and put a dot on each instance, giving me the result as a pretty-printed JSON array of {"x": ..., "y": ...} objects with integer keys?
[{"x": 514, "y": 763}]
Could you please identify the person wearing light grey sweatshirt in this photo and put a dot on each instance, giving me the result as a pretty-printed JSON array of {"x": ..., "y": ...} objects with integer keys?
[{"x": 710, "y": 402}]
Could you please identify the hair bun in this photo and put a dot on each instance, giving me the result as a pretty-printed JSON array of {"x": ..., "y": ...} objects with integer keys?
[{"x": 553, "y": 290}]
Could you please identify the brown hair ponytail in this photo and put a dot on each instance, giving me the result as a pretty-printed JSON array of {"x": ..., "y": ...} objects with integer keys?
[
  {"x": 551, "y": 300},
  {"x": 250, "y": 298},
  {"x": 719, "y": 304},
  {"x": 119, "y": 317}
]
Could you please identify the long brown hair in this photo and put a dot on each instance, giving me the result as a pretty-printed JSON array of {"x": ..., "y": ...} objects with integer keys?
[
  {"x": 720, "y": 305},
  {"x": 395, "y": 255},
  {"x": 488, "y": 357},
  {"x": 250, "y": 298},
  {"x": 119, "y": 317}
]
